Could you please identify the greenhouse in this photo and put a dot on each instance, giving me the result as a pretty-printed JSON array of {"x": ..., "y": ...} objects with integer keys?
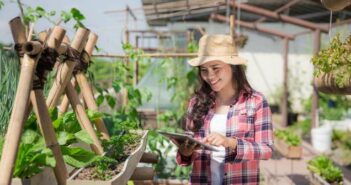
[{"x": 173, "y": 92}]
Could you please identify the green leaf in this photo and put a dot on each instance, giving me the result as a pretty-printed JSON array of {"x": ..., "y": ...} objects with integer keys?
[
  {"x": 29, "y": 137},
  {"x": 77, "y": 157},
  {"x": 116, "y": 86},
  {"x": 84, "y": 136},
  {"x": 111, "y": 101},
  {"x": 100, "y": 99},
  {"x": 77, "y": 15},
  {"x": 65, "y": 16},
  {"x": 64, "y": 138}
]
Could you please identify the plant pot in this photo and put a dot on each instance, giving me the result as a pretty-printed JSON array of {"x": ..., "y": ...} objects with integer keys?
[
  {"x": 321, "y": 138},
  {"x": 318, "y": 180},
  {"x": 123, "y": 177},
  {"x": 326, "y": 84},
  {"x": 292, "y": 152}
]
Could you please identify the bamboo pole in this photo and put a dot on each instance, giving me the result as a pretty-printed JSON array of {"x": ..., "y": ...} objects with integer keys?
[
  {"x": 62, "y": 84},
  {"x": 19, "y": 110},
  {"x": 43, "y": 116},
  {"x": 86, "y": 90},
  {"x": 65, "y": 102},
  {"x": 65, "y": 70},
  {"x": 83, "y": 118}
]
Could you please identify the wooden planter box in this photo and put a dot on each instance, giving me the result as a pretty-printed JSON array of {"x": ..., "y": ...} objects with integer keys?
[
  {"x": 293, "y": 152},
  {"x": 326, "y": 84},
  {"x": 318, "y": 180},
  {"x": 123, "y": 177}
]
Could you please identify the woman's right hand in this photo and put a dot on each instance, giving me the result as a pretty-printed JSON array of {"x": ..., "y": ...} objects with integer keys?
[{"x": 186, "y": 149}]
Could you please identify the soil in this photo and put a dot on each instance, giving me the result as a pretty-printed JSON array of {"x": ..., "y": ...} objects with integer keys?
[{"x": 88, "y": 172}]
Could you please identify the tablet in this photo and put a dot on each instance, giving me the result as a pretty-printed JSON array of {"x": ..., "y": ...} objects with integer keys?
[{"x": 182, "y": 137}]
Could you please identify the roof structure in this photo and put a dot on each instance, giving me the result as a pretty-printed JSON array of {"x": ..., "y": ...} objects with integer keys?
[{"x": 161, "y": 12}]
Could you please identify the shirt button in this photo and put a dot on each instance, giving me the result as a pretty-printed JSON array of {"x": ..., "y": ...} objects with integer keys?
[{"x": 225, "y": 174}]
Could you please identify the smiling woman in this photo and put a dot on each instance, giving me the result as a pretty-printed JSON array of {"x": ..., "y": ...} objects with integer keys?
[{"x": 227, "y": 113}]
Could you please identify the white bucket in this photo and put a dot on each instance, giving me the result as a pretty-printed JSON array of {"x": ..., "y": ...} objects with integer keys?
[{"x": 321, "y": 138}]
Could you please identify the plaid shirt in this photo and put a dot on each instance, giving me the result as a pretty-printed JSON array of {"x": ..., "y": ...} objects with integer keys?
[{"x": 249, "y": 121}]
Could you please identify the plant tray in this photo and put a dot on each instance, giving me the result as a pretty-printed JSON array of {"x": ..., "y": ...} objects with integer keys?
[
  {"x": 293, "y": 152},
  {"x": 123, "y": 177}
]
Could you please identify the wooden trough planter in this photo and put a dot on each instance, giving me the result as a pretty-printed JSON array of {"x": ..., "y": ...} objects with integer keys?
[
  {"x": 122, "y": 178},
  {"x": 161, "y": 182},
  {"x": 293, "y": 152},
  {"x": 326, "y": 84},
  {"x": 43, "y": 178}
]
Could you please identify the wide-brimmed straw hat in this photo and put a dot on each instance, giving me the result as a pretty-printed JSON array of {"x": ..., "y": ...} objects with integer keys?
[{"x": 217, "y": 47}]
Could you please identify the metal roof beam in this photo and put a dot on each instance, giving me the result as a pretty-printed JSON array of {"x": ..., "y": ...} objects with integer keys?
[
  {"x": 253, "y": 27},
  {"x": 283, "y": 18}
]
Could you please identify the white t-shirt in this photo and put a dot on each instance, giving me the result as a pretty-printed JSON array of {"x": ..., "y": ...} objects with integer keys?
[{"x": 218, "y": 124}]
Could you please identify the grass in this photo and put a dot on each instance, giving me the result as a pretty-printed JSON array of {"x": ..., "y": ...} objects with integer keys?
[{"x": 9, "y": 73}]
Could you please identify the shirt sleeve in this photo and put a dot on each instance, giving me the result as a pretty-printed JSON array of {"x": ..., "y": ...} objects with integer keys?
[
  {"x": 261, "y": 147},
  {"x": 182, "y": 160}
]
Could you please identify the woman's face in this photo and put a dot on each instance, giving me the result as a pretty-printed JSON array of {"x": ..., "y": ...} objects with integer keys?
[{"x": 217, "y": 74}]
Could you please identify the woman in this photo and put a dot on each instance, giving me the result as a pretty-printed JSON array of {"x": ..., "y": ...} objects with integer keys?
[{"x": 227, "y": 113}]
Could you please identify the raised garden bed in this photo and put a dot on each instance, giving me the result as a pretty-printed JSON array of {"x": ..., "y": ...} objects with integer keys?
[{"x": 125, "y": 169}]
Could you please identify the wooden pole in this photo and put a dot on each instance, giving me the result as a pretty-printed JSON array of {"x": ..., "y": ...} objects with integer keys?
[
  {"x": 19, "y": 109},
  {"x": 83, "y": 118},
  {"x": 62, "y": 84},
  {"x": 315, "y": 97},
  {"x": 65, "y": 102},
  {"x": 65, "y": 69},
  {"x": 86, "y": 90},
  {"x": 232, "y": 27},
  {"x": 284, "y": 103}
]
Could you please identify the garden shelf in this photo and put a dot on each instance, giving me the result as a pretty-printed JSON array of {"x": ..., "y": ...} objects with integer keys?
[
  {"x": 293, "y": 152},
  {"x": 123, "y": 177}
]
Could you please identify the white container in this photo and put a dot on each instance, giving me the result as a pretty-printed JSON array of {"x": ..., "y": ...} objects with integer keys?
[{"x": 321, "y": 138}]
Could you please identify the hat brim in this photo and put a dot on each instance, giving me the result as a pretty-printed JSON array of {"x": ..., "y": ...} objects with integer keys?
[{"x": 233, "y": 60}]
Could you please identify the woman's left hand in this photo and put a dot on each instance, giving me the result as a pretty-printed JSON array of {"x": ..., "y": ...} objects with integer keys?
[{"x": 217, "y": 139}]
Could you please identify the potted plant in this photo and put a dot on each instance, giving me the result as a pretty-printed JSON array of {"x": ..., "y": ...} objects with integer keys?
[
  {"x": 288, "y": 143},
  {"x": 333, "y": 66},
  {"x": 324, "y": 172}
]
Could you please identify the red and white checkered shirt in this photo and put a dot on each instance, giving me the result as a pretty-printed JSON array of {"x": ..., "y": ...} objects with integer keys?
[{"x": 249, "y": 121}]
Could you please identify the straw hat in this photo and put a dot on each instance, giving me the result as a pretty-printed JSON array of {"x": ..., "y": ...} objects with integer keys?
[{"x": 217, "y": 47}]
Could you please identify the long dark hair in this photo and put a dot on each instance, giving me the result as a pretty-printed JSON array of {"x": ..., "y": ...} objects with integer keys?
[{"x": 205, "y": 98}]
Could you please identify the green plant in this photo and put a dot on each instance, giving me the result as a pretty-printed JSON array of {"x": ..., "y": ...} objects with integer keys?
[
  {"x": 102, "y": 166},
  {"x": 32, "y": 155},
  {"x": 287, "y": 136},
  {"x": 325, "y": 168},
  {"x": 336, "y": 59},
  {"x": 9, "y": 73}
]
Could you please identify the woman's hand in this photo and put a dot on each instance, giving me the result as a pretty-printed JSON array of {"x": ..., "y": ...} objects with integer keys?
[
  {"x": 185, "y": 148},
  {"x": 217, "y": 139}
]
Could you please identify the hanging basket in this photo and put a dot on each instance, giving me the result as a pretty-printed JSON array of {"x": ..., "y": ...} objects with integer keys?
[
  {"x": 335, "y": 5},
  {"x": 127, "y": 171},
  {"x": 326, "y": 84}
]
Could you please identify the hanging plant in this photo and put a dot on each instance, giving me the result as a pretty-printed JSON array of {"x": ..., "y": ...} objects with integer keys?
[{"x": 333, "y": 64}]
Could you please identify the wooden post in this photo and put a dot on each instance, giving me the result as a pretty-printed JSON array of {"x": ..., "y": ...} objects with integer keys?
[
  {"x": 86, "y": 90},
  {"x": 284, "y": 103},
  {"x": 65, "y": 69},
  {"x": 232, "y": 27},
  {"x": 62, "y": 84},
  {"x": 65, "y": 102},
  {"x": 83, "y": 118},
  {"x": 19, "y": 109},
  {"x": 315, "y": 97}
]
